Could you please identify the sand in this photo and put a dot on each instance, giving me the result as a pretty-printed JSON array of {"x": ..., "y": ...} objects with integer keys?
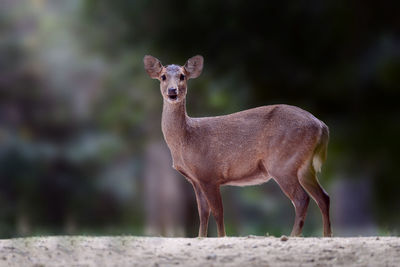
[{"x": 228, "y": 251}]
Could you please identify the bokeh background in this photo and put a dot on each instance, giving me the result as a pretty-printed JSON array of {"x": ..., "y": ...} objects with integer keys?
[{"x": 81, "y": 149}]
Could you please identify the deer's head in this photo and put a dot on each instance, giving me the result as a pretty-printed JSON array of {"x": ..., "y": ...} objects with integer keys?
[{"x": 173, "y": 78}]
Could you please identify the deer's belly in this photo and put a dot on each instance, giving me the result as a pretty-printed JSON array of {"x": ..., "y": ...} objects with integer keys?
[
  {"x": 231, "y": 168},
  {"x": 243, "y": 175},
  {"x": 250, "y": 180}
]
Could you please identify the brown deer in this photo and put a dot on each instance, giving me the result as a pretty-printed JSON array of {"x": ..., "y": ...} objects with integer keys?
[{"x": 249, "y": 147}]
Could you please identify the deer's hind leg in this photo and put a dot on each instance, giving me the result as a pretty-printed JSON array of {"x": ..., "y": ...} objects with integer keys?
[
  {"x": 299, "y": 197},
  {"x": 309, "y": 181}
]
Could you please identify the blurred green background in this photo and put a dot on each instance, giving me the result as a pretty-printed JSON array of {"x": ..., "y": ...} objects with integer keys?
[{"x": 81, "y": 149}]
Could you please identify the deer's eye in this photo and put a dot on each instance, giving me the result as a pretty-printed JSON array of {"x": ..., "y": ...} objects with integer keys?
[
  {"x": 182, "y": 77},
  {"x": 163, "y": 77}
]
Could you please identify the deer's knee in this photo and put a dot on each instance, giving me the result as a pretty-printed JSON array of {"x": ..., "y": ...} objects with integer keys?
[
  {"x": 204, "y": 213},
  {"x": 301, "y": 201}
]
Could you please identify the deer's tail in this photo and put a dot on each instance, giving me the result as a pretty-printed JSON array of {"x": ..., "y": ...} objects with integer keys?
[{"x": 320, "y": 152}]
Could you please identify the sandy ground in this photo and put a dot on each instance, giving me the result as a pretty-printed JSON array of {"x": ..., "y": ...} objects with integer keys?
[{"x": 229, "y": 251}]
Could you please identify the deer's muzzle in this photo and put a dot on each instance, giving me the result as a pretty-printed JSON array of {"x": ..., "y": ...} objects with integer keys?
[{"x": 172, "y": 93}]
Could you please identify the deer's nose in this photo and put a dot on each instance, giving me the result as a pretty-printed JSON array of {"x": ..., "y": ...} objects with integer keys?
[{"x": 172, "y": 91}]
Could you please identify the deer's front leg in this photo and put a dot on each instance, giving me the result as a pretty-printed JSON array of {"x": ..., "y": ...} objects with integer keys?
[
  {"x": 203, "y": 208},
  {"x": 214, "y": 199}
]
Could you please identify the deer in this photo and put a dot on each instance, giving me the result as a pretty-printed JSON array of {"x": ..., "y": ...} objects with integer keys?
[{"x": 280, "y": 142}]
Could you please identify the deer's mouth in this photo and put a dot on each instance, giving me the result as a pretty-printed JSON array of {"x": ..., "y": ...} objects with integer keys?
[{"x": 173, "y": 96}]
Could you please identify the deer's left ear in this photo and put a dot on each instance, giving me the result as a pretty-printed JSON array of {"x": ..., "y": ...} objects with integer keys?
[
  {"x": 194, "y": 66},
  {"x": 152, "y": 66}
]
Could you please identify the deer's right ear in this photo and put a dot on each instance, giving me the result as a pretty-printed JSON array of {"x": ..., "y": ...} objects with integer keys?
[{"x": 152, "y": 66}]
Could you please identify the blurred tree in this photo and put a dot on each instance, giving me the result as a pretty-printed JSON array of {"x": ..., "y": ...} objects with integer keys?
[{"x": 77, "y": 110}]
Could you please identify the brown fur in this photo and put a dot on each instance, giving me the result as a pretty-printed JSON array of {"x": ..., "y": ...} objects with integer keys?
[{"x": 249, "y": 147}]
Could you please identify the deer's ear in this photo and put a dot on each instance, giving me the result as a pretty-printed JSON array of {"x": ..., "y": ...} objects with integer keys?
[
  {"x": 194, "y": 66},
  {"x": 152, "y": 66}
]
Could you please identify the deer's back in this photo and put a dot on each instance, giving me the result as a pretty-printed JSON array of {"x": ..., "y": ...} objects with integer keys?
[{"x": 274, "y": 121}]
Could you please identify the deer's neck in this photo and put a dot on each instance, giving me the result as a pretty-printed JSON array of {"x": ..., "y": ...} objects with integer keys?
[{"x": 174, "y": 122}]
